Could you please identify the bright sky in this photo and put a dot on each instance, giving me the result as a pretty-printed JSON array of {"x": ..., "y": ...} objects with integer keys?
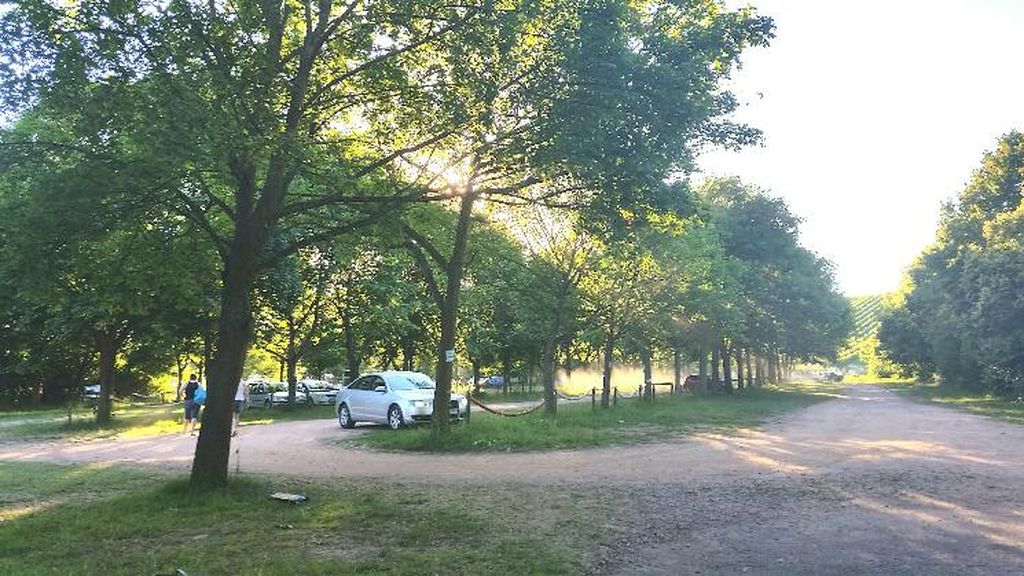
[{"x": 874, "y": 112}]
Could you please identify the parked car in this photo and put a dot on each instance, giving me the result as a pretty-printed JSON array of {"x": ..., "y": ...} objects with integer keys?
[
  {"x": 319, "y": 392},
  {"x": 260, "y": 395},
  {"x": 493, "y": 382},
  {"x": 91, "y": 394},
  {"x": 280, "y": 395},
  {"x": 832, "y": 376},
  {"x": 692, "y": 383},
  {"x": 393, "y": 398}
]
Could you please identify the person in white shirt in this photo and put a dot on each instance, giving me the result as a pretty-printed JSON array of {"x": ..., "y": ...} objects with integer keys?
[{"x": 241, "y": 394}]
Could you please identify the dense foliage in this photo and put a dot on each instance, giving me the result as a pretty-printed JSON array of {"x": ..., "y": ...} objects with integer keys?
[
  {"x": 345, "y": 184},
  {"x": 960, "y": 312}
]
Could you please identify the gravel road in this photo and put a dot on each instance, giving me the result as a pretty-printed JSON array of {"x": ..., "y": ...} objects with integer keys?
[{"x": 868, "y": 483}]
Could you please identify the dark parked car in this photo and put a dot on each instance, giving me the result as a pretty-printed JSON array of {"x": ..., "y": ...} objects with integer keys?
[
  {"x": 91, "y": 394},
  {"x": 493, "y": 382}
]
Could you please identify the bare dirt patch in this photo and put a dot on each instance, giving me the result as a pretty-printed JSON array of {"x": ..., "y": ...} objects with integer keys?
[{"x": 868, "y": 483}]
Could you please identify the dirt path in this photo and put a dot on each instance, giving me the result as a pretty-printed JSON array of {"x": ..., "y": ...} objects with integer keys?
[{"x": 867, "y": 484}]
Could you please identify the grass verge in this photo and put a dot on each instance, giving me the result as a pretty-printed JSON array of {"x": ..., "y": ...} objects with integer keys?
[
  {"x": 91, "y": 520},
  {"x": 132, "y": 421},
  {"x": 580, "y": 426},
  {"x": 986, "y": 405}
]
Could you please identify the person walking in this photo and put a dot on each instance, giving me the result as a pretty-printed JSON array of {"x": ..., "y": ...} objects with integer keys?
[
  {"x": 241, "y": 395},
  {"x": 191, "y": 406}
]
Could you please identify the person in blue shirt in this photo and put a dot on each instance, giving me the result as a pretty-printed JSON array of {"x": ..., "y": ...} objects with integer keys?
[{"x": 191, "y": 406}]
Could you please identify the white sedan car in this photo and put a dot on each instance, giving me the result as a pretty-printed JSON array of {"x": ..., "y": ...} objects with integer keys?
[{"x": 392, "y": 398}]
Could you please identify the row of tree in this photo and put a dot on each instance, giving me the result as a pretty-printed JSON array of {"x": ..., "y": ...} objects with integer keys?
[
  {"x": 349, "y": 177},
  {"x": 960, "y": 312}
]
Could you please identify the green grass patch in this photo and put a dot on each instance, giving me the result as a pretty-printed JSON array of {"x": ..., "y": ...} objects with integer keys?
[
  {"x": 280, "y": 414},
  {"x": 580, "y": 426},
  {"x": 971, "y": 401},
  {"x": 87, "y": 520},
  {"x": 133, "y": 421}
]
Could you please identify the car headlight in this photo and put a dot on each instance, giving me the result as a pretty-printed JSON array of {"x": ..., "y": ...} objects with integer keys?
[{"x": 420, "y": 403}]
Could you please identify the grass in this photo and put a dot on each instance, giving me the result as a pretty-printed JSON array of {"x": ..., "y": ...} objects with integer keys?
[
  {"x": 579, "y": 426},
  {"x": 93, "y": 520},
  {"x": 986, "y": 405},
  {"x": 131, "y": 421}
]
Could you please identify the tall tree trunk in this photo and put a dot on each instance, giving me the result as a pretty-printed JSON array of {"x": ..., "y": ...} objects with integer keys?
[
  {"x": 207, "y": 354},
  {"x": 702, "y": 371},
  {"x": 677, "y": 370},
  {"x": 750, "y": 372},
  {"x": 107, "y": 345},
  {"x": 716, "y": 361},
  {"x": 352, "y": 358},
  {"x": 293, "y": 381},
  {"x": 739, "y": 368},
  {"x": 291, "y": 360},
  {"x": 408, "y": 346},
  {"x": 759, "y": 367},
  {"x": 475, "y": 364},
  {"x": 606, "y": 377},
  {"x": 180, "y": 363},
  {"x": 727, "y": 367},
  {"x": 449, "y": 315},
  {"x": 773, "y": 363},
  {"x": 234, "y": 333},
  {"x": 645, "y": 361},
  {"x": 547, "y": 368},
  {"x": 506, "y": 370}
]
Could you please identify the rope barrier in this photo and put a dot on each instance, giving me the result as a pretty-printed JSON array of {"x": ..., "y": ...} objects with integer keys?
[
  {"x": 571, "y": 398},
  {"x": 509, "y": 414}
]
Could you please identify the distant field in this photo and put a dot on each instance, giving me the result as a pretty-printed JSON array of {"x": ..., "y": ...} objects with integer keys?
[
  {"x": 867, "y": 317},
  {"x": 862, "y": 344}
]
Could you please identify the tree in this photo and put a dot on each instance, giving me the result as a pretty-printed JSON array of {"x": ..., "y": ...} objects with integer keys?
[
  {"x": 561, "y": 256},
  {"x": 86, "y": 278},
  {"x": 293, "y": 310},
  {"x": 957, "y": 311},
  {"x": 283, "y": 124},
  {"x": 790, "y": 303}
]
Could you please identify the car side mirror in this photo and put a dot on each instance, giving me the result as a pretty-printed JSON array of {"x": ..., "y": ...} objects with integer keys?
[{"x": 380, "y": 389}]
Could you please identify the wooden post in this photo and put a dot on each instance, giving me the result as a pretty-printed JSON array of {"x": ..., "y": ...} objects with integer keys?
[
  {"x": 640, "y": 393},
  {"x": 615, "y": 396},
  {"x": 593, "y": 398}
]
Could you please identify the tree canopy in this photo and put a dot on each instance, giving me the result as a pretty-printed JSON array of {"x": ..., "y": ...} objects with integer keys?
[
  {"x": 342, "y": 182},
  {"x": 959, "y": 312}
]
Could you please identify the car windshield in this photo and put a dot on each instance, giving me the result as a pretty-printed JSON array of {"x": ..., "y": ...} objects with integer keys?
[{"x": 411, "y": 383}]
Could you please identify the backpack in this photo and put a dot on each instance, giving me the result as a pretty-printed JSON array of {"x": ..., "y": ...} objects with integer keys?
[{"x": 200, "y": 396}]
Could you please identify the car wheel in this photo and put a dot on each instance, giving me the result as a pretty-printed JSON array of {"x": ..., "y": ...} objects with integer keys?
[
  {"x": 394, "y": 417},
  {"x": 345, "y": 417}
]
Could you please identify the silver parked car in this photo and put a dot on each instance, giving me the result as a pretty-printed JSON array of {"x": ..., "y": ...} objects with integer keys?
[
  {"x": 280, "y": 395},
  {"x": 259, "y": 395},
  {"x": 319, "y": 392},
  {"x": 309, "y": 392},
  {"x": 392, "y": 398}
]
